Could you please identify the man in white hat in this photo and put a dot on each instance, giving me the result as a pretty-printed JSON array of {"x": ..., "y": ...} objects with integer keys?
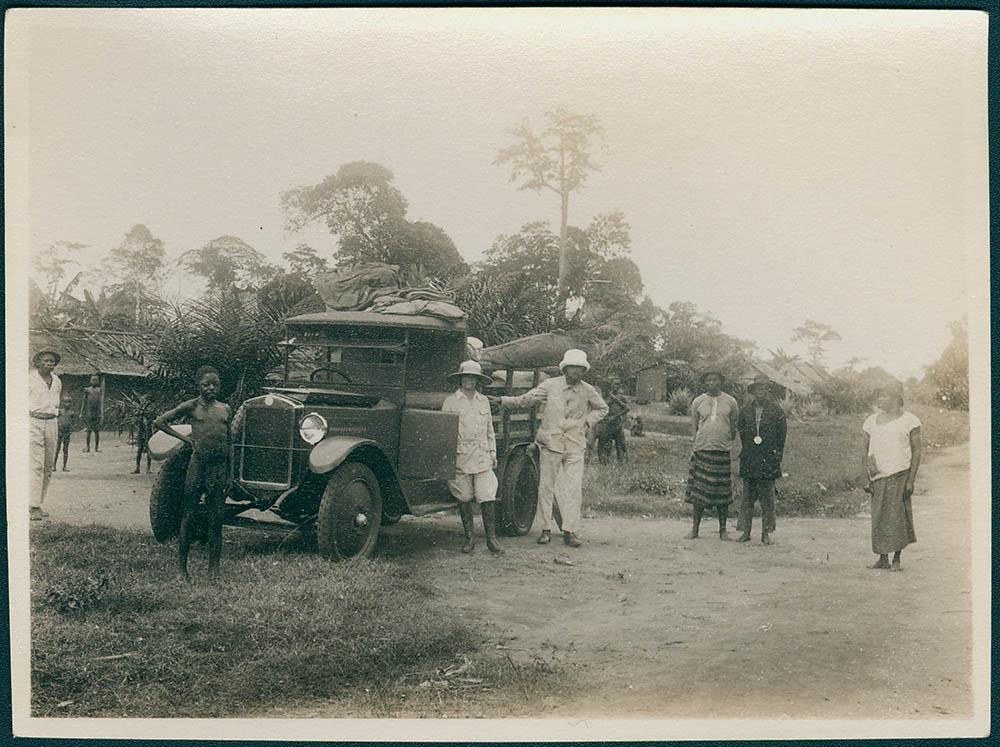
[
  {"x": 477, "y": 454},
  {"x": 44, "y": 396},
  {"x": 572, "y": 409}
]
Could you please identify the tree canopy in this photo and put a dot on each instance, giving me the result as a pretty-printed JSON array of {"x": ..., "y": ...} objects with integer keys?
[
  {"x": 228, "y": 263},
  {"x": 367, "y": 213}
]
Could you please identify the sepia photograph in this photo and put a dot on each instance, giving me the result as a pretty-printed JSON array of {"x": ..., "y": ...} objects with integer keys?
[{"x": 497, "y": 374}]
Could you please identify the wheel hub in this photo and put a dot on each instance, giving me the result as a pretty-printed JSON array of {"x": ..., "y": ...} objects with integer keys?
[{"x": 360, "y": 520}]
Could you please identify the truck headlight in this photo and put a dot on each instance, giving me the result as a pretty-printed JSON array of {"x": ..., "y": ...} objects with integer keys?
[{"x": 312, "y": 429}]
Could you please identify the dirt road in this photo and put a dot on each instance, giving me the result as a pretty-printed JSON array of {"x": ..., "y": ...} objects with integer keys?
[{"x": 647, "y": 623}]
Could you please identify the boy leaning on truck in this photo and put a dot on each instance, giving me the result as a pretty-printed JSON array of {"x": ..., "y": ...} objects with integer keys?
[{"x": 477, "y": 454}]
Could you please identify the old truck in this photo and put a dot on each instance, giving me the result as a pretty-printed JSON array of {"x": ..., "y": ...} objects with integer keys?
[{"x": 351, "y": 437}]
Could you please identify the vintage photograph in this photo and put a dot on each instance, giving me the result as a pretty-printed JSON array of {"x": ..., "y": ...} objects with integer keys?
[{"x": 497, "y": 374}]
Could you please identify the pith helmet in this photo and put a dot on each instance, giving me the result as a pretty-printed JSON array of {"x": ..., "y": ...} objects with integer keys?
[
  {"x": 470, "y": 368},
  {"x": 574, "y": 357}
]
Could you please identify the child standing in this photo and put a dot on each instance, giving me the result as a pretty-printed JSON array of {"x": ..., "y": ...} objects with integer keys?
[
  {"x": 92, "y": 411},
  {"x": 67, "y": 420},
  {"x": 477, "y": 454},
  {"x": 208, "y": 470},
  {"x": 144, "y": 430}
]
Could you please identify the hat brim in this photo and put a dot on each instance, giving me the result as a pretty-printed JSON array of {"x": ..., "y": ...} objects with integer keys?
[
  {"x": 564, "y": 365},
  {"x": 457, "y": 376},
  {"x": 40, "y": 353}
]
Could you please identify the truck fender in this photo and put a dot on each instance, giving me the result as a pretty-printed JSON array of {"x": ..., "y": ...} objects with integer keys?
[
  {"x": 331, "y": 452},
  {"x": 163, "y": 446},
  {"x": 529, "y": 447}
]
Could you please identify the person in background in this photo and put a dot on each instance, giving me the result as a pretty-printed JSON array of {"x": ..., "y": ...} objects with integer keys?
[
  {"x": 477, "y": 454},
  {"x": 762, "y": 428},
  {"x": 67, "y": 420},
  {"x": 892, "y": 450},
  {"x": 611, "y": 430},
  {"x": 92, "y": 411},
  {"x": 143, "y": 432},
  {"x": 714, "y": 415},
  {"x": 573, "y": 408},
  {"x": 44, "y": 395}
]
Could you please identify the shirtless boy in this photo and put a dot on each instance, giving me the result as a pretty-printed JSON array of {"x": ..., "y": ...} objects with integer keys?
[{"x": 209, "y": 466}]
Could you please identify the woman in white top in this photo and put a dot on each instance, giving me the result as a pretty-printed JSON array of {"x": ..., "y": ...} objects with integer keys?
[{"x": 891, "y": 460}]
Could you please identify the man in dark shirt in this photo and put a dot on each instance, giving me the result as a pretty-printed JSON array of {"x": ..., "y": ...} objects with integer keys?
[
  {"x": 762, "y": 428},
  {"x": 611, "y": 430}
]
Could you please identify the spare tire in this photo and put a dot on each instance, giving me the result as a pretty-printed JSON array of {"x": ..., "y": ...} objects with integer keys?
[
  {"x": 518, "y": 494},
  {"x": 165, "y": 497}
]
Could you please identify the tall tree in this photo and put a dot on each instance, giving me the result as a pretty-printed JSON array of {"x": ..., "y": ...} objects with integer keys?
[
  {"x": 367, "y": 213},
  {"x": 816, "y": 336},
  {"x": 559, "y": 159},
  {"x": 52, "y": 264},
  {"x": 228, "y": 263},
  {"x": 950, "y": 373},
  {"x": 133, "y": 272},
  {"x": 304, "y": 261}
]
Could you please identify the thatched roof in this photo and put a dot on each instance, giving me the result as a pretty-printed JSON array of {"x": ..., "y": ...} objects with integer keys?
[
  {"x": 777, "y": 377},
  {"x": 90, "y": 351}
]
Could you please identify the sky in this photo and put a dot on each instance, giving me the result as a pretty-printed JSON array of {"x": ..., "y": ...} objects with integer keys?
[{"x": 774, "y": 165}]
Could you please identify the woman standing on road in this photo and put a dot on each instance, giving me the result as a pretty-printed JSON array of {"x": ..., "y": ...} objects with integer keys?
[{"x": 891, "y": 459}]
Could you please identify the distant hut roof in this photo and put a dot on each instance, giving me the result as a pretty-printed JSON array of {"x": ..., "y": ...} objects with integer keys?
[{"x": 90, "y": 351}]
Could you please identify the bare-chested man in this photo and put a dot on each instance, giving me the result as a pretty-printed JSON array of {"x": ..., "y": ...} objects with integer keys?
[{"x": 208, "y": 470}]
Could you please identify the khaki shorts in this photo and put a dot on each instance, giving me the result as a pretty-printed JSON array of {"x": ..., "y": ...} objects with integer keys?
[{"x": 481, "y": 485}]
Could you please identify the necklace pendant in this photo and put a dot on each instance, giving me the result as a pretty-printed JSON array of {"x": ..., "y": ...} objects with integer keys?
[{"x": 758, "y": 440}]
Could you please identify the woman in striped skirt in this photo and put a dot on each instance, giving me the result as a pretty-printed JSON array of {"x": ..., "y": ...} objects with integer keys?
[{"x": 714, "y": 416}]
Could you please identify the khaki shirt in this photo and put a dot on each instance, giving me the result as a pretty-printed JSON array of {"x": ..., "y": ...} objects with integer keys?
[
  {"x": 477, "y": 445},
  {"x": 569, "y": 412},
  {"x": 42, "y": 399}
]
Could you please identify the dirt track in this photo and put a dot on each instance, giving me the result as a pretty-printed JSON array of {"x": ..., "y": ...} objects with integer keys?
[{"x": 650, "y": 624}]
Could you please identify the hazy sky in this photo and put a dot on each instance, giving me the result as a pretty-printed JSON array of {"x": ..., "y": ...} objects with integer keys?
[{"x": 774, "y": 165}]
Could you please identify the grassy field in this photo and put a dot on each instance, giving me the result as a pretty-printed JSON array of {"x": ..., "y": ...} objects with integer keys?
[
  {"x": 822, "y": 463},
  {"x": 115, "y": 633}
]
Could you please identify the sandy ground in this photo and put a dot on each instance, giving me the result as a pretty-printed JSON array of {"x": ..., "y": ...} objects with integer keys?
[{"x": 646, "y": 623}]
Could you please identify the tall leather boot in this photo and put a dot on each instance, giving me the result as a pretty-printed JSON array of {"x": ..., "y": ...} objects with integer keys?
[
  {"x": 465, "y": 511},
  {"x": 489, "y": 510}
]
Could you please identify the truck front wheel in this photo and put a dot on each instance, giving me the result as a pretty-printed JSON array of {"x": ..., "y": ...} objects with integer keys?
[
  {"x": 350, "y": 513},
  {"x": 165, "y": 497},
  {"x": 518, "y": 496}
]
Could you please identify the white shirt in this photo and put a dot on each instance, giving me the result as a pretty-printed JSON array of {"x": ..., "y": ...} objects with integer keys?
[
  {"x": 569, "y": 412},
  {"x": 43, "y": 399},
  {"x": 477, "y": 445},
  {"x": 889, "y": 443}
]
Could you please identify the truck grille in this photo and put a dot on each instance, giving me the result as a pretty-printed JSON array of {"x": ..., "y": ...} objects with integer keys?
[{"x": 265, "y": 444}]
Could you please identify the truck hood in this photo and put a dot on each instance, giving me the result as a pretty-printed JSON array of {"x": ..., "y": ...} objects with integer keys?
[{"x": 316, "y": 396}]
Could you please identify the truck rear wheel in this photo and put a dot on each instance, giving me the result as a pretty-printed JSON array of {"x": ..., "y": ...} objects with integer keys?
[
  {"x": 518, "y": 495},
  {"x": 166, "y": 495},
  {"x": 350, "y": 513}
]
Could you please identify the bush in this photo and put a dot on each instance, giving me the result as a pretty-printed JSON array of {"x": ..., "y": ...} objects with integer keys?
[
  {"x": 652, "y": 483},
  {"x": 679, "y": 402}
]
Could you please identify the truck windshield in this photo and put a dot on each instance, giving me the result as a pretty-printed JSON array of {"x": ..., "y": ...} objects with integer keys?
[{"x": 333, "y": 364}]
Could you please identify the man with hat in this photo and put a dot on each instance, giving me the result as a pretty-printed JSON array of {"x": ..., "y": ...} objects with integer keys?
[
  {"x": 762, "y": 428},
  {"x": 44, "y": 396},
  {"x": 714, "y": 415},
  {"x": 572, "y": 409},
  {"x": 477, "y": 454}
]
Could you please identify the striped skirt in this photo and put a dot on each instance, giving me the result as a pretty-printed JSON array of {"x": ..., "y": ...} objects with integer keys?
[
  {"x": 710, "y": 481},
  {"x": 892, "y": 514}
]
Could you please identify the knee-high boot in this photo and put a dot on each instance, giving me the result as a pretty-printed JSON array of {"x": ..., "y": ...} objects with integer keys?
[
  {"x": 465, "y": 511},
  {"x": 489, "y": 510}
]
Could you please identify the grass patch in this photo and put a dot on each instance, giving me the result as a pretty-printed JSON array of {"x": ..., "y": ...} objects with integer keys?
[
  {"x": 115, "y": 633},
  {"x": 822, "y": 460}
]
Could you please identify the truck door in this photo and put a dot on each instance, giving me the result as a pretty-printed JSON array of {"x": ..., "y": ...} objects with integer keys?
[{"x": 428, "y": 443}]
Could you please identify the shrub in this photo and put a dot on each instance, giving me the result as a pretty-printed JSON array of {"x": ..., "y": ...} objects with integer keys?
[
  {"x": 653, "y": 483},
  {"x": 679, "y": 402}
]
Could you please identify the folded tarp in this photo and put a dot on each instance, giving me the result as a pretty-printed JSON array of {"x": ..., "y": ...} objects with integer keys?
[
  {"x": 536, "y": 351},
  {"x": 355, "y": 288}
]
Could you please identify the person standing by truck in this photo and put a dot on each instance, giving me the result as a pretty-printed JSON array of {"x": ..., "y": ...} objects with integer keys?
[
  {"x": 573, "y": 408},
  {"x": 477, "y": 454}
]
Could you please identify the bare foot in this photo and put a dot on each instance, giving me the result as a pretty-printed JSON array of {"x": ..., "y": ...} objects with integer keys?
[
  {"x": 692, "y": 535},
  {"x": 895, "y": 566},
  {"x": 881, "y": 565},
  {"x": 724, "y": 535},
  {"x": 745, "y": 537},
  {"x": 765, "y": 540}
]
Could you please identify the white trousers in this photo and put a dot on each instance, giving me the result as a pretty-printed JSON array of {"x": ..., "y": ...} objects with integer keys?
[
  {"x": 42, "y": 438},
  {"x": 561, "y": 479}
]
